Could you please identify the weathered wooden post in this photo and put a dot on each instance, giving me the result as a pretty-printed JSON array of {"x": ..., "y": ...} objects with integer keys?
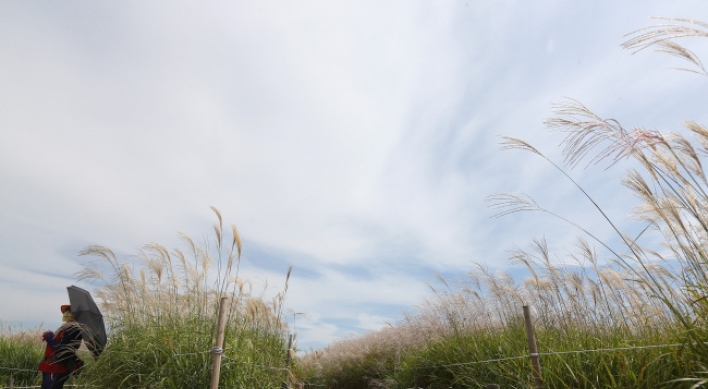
[
  {"x": 288, "y": 361},
  {"x": 10, "y": 383},
  {"x": 533, "y": 350},
  {"x": 492, "y": 386},
  {"x": 217, "y": 350},
  {"x": 288, "y": 358}
]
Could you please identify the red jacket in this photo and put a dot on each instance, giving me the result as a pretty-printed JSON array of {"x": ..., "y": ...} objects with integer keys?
[{"x": 60, "y": 354}]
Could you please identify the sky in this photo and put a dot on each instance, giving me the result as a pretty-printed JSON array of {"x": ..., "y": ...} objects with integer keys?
[{"x": 355, "y": 141}]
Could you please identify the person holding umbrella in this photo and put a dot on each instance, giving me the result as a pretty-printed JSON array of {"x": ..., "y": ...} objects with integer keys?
[{"x": 60, "y": 359}]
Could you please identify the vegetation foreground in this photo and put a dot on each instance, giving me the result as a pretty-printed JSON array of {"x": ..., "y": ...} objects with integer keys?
[
  {"x": 634, "y": 320},
  {"x": 161, "y": 307}
]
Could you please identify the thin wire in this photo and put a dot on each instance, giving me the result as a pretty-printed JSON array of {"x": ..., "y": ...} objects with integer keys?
[
  {"x": 17, "y": 369},
  {"x": 216, "y": 350},
  {"x": 22, "y": 387},
  {"x": 475, "y": 362},
  {"x": 212, "y": 350},
  {"x": 67, "y": 385},
  {"x": 560, "y": 353},
  {"x": 613, "y": 349},
  {"x": 255, "y": 364}
]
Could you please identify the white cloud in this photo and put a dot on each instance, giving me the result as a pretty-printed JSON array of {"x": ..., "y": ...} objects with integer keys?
[{"x": 372, "y": 322}]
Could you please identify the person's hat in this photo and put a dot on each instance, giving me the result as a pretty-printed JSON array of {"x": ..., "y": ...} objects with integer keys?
[{"x": 65, "y": 308}]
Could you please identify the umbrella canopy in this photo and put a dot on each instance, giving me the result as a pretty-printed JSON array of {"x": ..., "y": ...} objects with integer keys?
[{"x": 85, "y": 311}]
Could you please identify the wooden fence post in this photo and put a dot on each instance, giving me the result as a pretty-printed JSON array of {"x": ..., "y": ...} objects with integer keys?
[
  {"x": 216, "y": 366},
  {"x": 492, "y": 386},
  {"x": 288, "y": 360},
  {"x": 533, "y": 350},
  {"x": 10, "y": 382}
]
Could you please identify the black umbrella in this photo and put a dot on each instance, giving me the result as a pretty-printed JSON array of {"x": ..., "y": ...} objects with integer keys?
[{"x": 85, "y": 311}]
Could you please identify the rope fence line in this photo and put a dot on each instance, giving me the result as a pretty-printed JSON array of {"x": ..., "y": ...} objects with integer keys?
[
  {"x": 17, "y": 369},
  {"x": 257, "y": 365},
  {"x": 560, "y": 353},
  {"x": 534, "y": 355},
  {"x": 216, "y": 350},
  {"x": 38, "y": 386},
  {"x": 213, "y": 350},
  {"x": 220, "y": 351},
  {"x": 474, "y": 362},
  {"x": 614, "y": 349}
]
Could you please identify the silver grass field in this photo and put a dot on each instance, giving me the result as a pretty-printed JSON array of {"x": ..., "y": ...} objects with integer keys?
[{"x": 631, "y": 314}]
